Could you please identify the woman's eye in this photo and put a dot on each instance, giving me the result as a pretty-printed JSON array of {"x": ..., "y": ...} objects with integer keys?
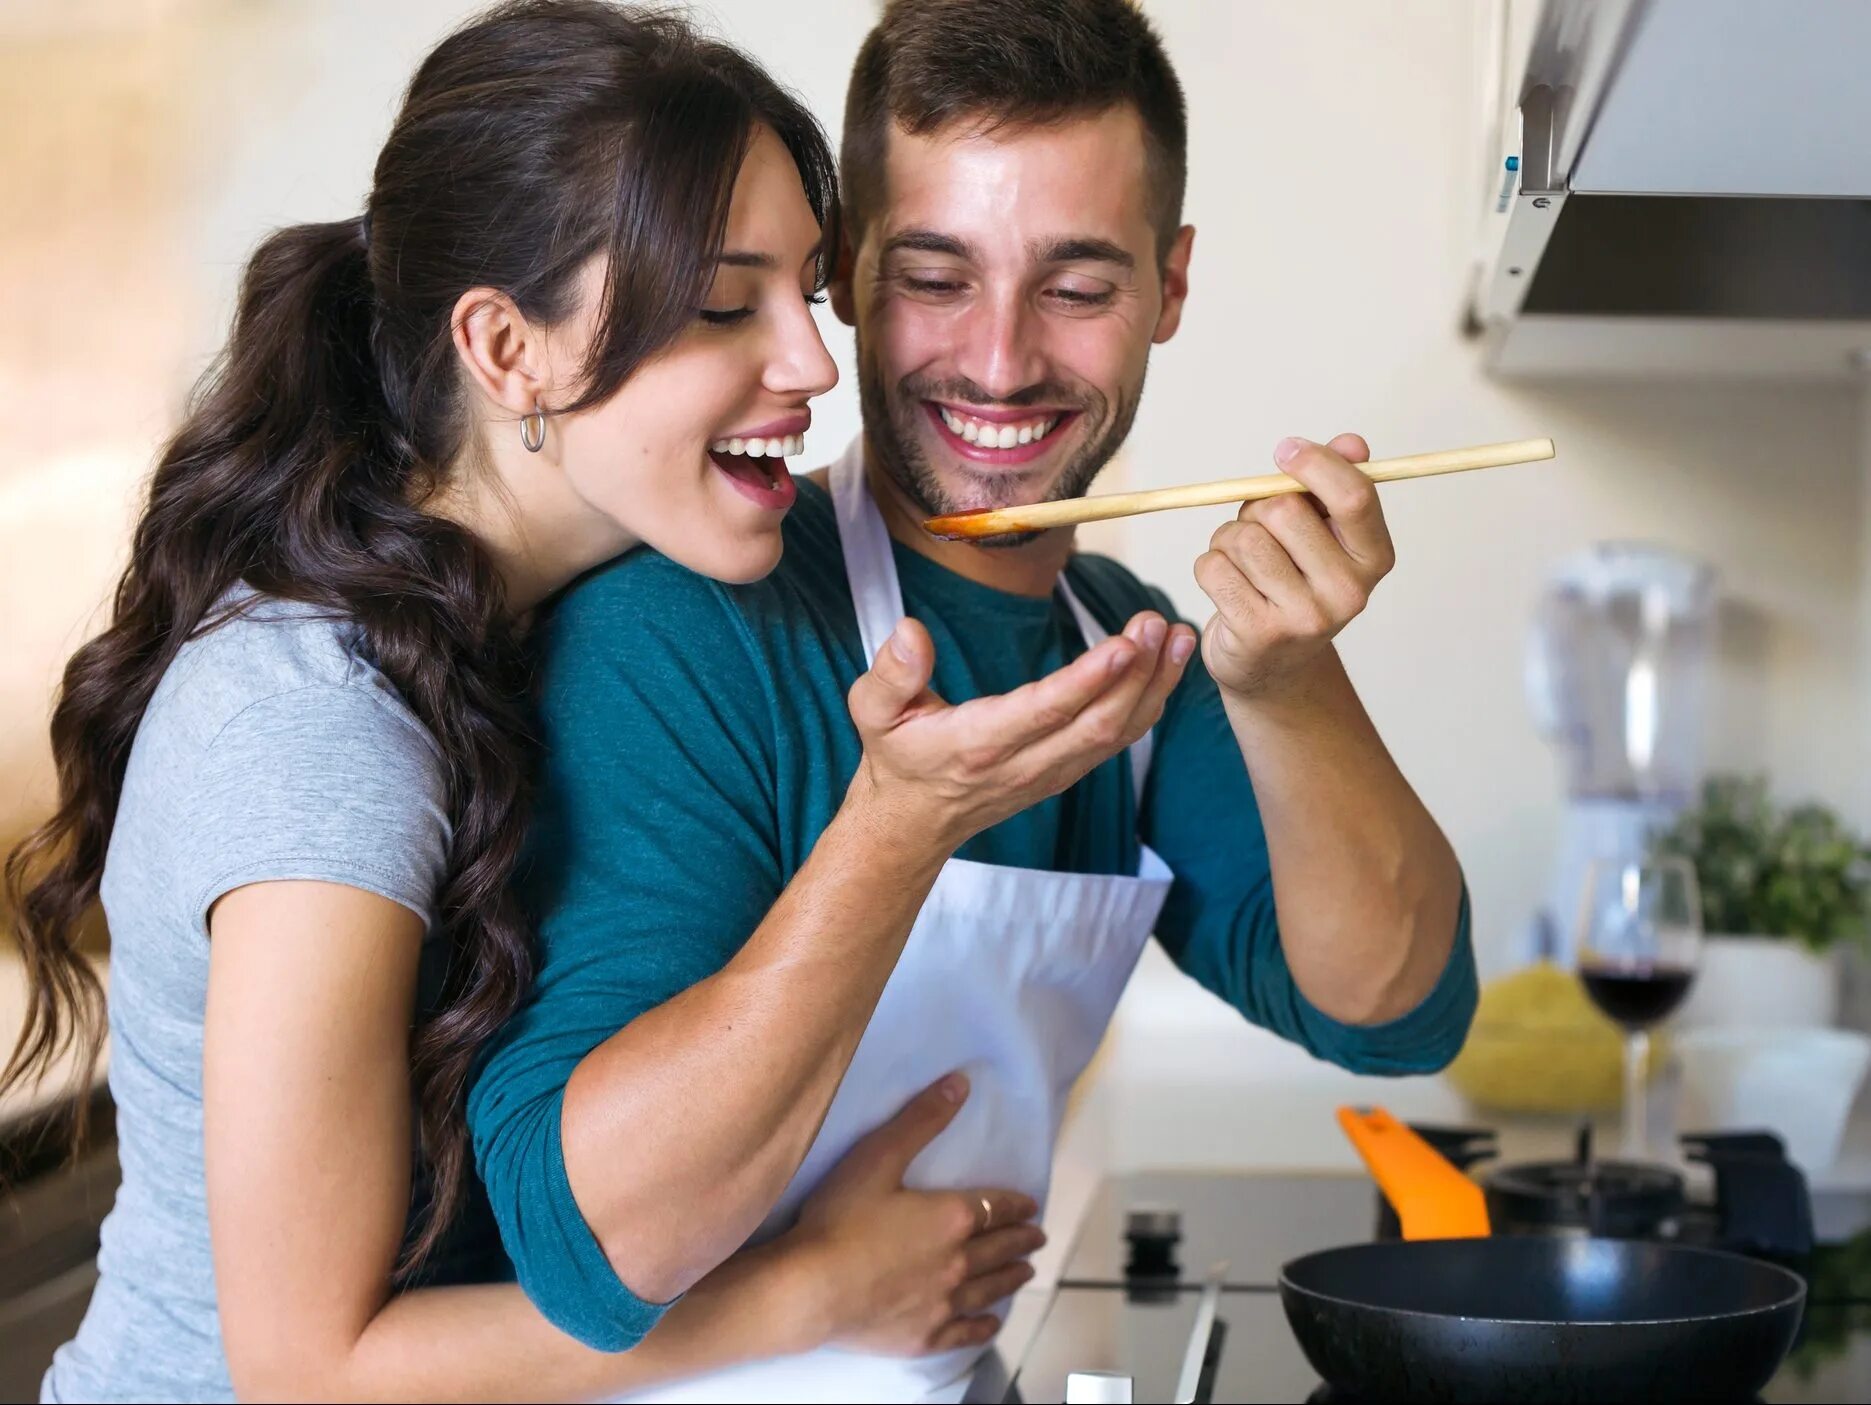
[
  {"x": 815, "y": 298},
  {"x": 725, "y": 317}
]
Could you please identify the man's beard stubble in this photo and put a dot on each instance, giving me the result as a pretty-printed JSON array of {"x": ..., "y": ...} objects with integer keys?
[{"x": 891, "y": 425}]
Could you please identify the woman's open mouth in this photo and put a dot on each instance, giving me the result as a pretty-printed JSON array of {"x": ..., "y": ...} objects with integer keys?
[
  {"x": 997, "y": 436},
  {"x": 756, "y": 467}
]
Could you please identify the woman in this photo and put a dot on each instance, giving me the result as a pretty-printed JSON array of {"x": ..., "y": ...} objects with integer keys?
[{"x": 295, "y": 766}]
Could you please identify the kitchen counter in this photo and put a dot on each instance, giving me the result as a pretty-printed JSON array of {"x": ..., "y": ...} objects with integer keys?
[
  {"x": 1183, "y": 1081},
  {"x": 51, "y": 1208}
]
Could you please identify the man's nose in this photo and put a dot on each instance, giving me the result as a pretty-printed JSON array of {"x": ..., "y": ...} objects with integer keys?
[{"x": 999, "y": 346}]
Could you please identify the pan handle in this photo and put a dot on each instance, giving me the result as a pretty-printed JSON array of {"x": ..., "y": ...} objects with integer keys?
[{"x": 1432, "y": 1199}]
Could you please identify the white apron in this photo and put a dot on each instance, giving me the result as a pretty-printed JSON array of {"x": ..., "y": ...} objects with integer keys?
[{"x": 1009, "y": 974}]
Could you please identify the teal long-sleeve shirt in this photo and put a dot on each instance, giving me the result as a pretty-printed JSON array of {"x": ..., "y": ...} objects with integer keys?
[{"x": 697, "y": 742}]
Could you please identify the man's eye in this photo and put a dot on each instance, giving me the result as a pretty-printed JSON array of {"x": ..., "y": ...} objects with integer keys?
[
  {"x": 725, "y": 317},
  {"x": 937, "y": 287},
  {"x": 1074, "y": 297}
]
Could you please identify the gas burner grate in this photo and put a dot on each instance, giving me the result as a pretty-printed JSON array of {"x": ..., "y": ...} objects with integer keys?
[
  {"x": 1760, "y": 1207},
  {"x": 1617, "y": 1199}
]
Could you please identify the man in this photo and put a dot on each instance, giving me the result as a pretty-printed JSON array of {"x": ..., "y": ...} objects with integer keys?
[{"x": 750, "y": 960}]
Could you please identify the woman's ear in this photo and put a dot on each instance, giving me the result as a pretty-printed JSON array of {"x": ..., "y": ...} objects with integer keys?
[{"x": 501, "y": 351}]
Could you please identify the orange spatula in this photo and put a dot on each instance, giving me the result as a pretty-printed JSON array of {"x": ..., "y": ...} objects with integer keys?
[{"x": 1432, "y": 1199}]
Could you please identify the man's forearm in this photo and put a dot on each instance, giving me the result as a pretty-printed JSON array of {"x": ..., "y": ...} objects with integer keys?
[
  {"x": 681, "y": 1130},
  {"x": 1366, "y": 886}
]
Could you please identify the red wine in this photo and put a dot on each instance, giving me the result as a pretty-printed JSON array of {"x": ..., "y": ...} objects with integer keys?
[{"x": 1637, "y": 996}]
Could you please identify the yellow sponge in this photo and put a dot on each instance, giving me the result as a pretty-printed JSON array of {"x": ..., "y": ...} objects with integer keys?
[{"x": 1538, "y": 1044}]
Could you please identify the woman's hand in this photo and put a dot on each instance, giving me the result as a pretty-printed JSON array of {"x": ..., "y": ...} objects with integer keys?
[
  {"x": 950, "y": 771},
  {"x": 902, "y": 1272}
]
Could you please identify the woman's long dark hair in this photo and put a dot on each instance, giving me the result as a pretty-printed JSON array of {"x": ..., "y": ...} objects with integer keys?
[{"x": 533, "y": 139}]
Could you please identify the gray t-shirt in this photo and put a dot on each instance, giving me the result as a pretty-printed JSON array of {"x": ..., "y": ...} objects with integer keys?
[{"x": 272, "y": 749}]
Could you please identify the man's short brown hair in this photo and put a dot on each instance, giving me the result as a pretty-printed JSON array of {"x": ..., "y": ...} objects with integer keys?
[{"x": 1008, "y": 63}]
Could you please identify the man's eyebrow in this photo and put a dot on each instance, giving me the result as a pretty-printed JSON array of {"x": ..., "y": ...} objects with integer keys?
[
  {"x": 927, "y": 241},
  {"x": 1080, "y": 249}
]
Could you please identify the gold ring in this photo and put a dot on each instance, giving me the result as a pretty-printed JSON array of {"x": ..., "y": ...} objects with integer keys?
[{"x": 987, "y": 1214}]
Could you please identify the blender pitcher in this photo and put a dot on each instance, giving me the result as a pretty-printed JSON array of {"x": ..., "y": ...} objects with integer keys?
[{"x": 1617, "y": 676}]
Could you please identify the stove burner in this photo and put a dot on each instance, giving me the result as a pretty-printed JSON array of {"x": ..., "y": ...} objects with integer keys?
[
  {"x": 1151, "y": 1272},
  {"x": 1614, "y": 1199},
  {"x": 1617, "y": 1199},
  {"x": 1760, "y": 1207}
]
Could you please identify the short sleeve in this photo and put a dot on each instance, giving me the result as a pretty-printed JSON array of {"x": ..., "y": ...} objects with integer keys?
[{"x": 331, "y": 781}]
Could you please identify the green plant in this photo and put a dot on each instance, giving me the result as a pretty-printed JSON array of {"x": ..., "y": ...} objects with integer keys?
[
  {"x": 1838, "y": 1279},
  {"x": 1798, "y": 873}
]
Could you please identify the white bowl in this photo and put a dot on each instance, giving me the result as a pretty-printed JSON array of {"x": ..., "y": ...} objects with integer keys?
[{"x": 1798, "y": 1083}]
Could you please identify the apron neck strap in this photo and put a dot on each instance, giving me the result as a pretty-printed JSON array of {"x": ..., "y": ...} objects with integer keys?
[
  {"x": 877, "y": 593},
  {"x": 870, "y": 563}
]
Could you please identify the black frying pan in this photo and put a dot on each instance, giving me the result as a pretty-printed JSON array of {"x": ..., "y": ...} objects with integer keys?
[
  {"x": 1451, "y": 1313},
  {"x": 1524, "y": 1318}
]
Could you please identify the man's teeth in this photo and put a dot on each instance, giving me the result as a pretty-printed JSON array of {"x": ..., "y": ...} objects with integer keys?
[
  {"x": 996, "y": 436},
  {"x": 782, "y": 446}
]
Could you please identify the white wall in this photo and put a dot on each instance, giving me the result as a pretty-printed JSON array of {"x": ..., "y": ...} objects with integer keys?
[{"x": 1332, "y": 190}]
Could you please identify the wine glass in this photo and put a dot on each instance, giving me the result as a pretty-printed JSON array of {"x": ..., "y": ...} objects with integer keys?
[{"x": 1640, "y": 937}]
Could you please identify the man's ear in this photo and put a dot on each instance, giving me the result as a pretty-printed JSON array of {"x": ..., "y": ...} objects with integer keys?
[
  {"x": 1175, "y": 283},
  {"x": 500, "y": 350},
  {"x": 843, "y": 300}
]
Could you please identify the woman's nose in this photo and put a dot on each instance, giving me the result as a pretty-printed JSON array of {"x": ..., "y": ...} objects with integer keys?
[{"x": 800, "y": 364}]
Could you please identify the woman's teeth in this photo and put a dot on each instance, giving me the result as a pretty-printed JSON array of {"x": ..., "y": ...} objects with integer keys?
[
  {"x": 783, "y": 446},
  {"x": 997, "y": 436}
]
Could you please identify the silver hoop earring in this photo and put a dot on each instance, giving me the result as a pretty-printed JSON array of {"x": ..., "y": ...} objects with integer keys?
[{"x": 533, "y": 430}]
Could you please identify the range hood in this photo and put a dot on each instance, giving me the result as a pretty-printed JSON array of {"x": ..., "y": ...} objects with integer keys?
[{"x": 1684, "y": 189}]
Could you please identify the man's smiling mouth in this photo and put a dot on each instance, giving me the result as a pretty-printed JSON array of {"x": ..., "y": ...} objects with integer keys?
[{"x": 997, "y": 436}]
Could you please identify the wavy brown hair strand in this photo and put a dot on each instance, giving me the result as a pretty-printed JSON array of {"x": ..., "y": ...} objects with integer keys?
[{"x": 535, "y": 138}]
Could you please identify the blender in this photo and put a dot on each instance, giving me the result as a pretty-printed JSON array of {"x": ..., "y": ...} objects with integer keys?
[{"x": 1617, "y": 673}]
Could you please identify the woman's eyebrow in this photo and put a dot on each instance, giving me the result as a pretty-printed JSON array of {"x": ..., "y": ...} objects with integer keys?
[{"x": 753, "y": 258}]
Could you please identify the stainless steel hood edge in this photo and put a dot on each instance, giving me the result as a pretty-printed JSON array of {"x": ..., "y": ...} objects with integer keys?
[{"x": 1763, "y": 328}]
